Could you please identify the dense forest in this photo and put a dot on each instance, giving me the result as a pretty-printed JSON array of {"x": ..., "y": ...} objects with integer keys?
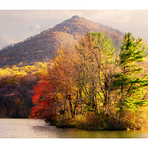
[
  {"x": 16, "y": 89},
  {"x": 96, "y": 85}
]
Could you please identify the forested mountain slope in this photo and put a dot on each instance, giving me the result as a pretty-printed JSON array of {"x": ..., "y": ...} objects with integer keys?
[{"x": 42, "y": 46}]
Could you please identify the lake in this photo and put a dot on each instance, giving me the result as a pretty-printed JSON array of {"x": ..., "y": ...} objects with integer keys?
[{"x": 31, "y": 128}]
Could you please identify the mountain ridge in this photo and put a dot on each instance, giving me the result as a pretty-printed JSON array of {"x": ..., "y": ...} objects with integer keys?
[{"x": 42, "y": 46}]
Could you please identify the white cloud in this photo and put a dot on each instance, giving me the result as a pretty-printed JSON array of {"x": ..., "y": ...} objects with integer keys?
[
  {"x": 144, "y": 23},
  {"x": 37, "y": 26},
  {"x": 124, "y": 19}
]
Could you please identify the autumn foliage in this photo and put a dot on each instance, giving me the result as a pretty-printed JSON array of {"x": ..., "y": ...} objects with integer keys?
[
  {"x": 16, "y": 88},
  {"x": 92, "y": 86},
  {"x": 44, "y": 101}
]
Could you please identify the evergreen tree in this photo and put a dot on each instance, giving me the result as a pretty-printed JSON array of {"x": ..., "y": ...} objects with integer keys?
[{"x": 129, "y": 80}]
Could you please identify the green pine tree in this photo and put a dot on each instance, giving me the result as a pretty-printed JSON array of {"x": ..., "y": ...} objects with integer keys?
[{"x": 129, "y": 80}]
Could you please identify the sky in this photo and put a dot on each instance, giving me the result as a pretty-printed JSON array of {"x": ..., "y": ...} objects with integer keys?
[{"x": 16, "y": 25}]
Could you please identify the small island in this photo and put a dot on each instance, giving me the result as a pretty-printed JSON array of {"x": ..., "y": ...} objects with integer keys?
[{"x": 95, "y": 86}]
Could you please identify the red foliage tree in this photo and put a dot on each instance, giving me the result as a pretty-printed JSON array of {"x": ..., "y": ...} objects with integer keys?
[{"x": 44, "y": 101}]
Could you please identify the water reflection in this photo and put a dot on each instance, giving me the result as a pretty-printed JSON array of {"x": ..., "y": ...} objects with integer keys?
[
  {"x": 79, "y": 133},
  {"x": 29, "y": 128}
]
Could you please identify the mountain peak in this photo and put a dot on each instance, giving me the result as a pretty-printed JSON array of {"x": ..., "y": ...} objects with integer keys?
[
  {"x": 75, "y": 16},
  {"x": 41, "y": 47}
]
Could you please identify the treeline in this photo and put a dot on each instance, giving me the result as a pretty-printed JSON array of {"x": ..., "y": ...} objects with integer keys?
[
  {"x": 16, "y": 89},
  {"x": 95, "y": 85}
]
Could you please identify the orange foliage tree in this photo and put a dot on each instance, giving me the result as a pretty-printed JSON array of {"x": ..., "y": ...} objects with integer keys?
[{"x": 57, "y": 94}]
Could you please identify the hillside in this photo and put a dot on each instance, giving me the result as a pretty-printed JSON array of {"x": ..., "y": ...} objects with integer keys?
[{"x": 42, "y": 46}]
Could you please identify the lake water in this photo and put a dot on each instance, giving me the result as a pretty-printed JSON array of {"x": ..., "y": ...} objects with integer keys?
[{"x": 31, "y": 128}]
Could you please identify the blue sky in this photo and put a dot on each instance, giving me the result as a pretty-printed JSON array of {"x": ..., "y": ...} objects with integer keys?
[{"x": 17, "y": 25}]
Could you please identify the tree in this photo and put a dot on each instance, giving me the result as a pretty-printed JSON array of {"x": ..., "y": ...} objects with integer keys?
[
  {"x": 131, "y": 84},
  {"x": 44, "y": 100},
  {"x": 65, "y": 75},
  {"x": 96, "y": 65}
]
